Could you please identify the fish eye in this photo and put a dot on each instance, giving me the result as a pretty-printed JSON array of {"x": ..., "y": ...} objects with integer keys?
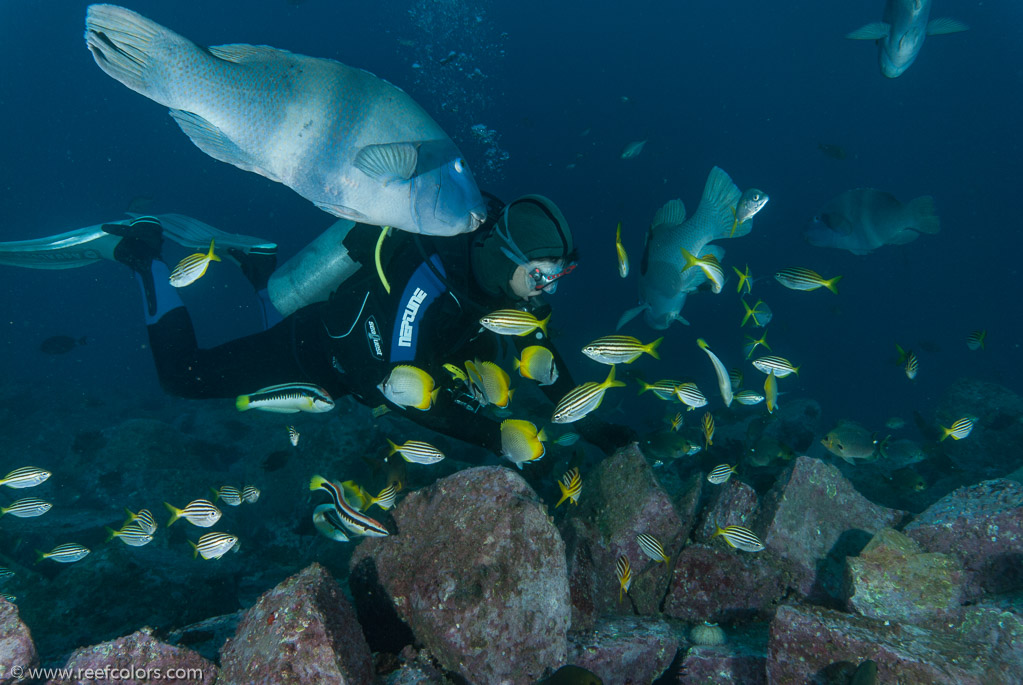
[{"x": 459, "y": 165}]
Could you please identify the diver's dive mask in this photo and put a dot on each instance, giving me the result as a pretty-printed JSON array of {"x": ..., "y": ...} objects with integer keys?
[{"x": 543, "y": 272}]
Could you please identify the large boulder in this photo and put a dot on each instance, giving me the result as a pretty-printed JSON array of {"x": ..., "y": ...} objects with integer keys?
[
  {"x": 982, "y": 525},
  {"x": 302, "y": 631},
  {"x": 478, "y": 572},
  {"x": 894, "y": 579},
  {"x": 16, "y": 648},
  {"x": 137, "y": 658},
  {"x": 806, "y": 641},
  {"x": 625, "y": 649},
  {"x": 813, "y": 518}
]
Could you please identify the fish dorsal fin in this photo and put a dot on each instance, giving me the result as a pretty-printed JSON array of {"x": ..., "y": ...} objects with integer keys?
[
  {"x": 388, "y": 162},
  {"x": 943, "y": 25},
  {"x": 242, "y": 53},
  {"x": 672, "y": 213},
  {"x": 875, "y": 31}
]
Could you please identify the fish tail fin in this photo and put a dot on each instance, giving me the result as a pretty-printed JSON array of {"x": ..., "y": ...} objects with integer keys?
[
  {"x": 141, "y": 54},
  {"x": 651, "y": 349},
  {"x": 690, "y": 259},
  {"x": 316, "y": 482},
  {"x": 745, "y": 305},
  {"x": 516, "y": 363},
  {"x": 543, "y": 325},
  {"x": 211, "y": 255},
  {"x": 40, "y": 556},
  {"x": 901, "y": 355},
  {"x": 111, "y": 533},
  {"x": 945, "y": 432},
  {"x": 394, "y": 448},
  {"x": 610, "y": 381},
  {"x": 241, "y": 403},
  {"x": 195, "y": 549},
  {"x": 926, "y": 215},
  {"x": 629, "y": 315},
  {"x": 832, "y": 284},
  {"x": 175, "y": 512},
  {"x": 216, "y": 494}
]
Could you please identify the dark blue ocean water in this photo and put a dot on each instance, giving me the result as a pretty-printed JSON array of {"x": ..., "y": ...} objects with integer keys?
[{"x": 750, "y": 87}]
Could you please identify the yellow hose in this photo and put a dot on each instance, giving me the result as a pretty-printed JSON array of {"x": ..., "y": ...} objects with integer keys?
[{"x": 376, "y": 257}]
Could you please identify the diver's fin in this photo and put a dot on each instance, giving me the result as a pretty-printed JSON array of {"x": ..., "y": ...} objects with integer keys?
[
  {"x": 875, "y": 31},
  {"x": 217, "y": 144},
  {"x": 388, "y": 162},
  {"x": 92, "y": 244},
  {"x": 631, "y": 314},
  {"x": 943, "y": 25},
  {"x": 672, "y": 213},
  {"x": 720, "y": 194}
]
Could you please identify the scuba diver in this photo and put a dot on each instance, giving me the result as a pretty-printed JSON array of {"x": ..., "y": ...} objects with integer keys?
[{"x": 355, "y": 305}]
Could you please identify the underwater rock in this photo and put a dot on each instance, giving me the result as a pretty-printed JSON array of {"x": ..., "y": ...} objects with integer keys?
[
  {"x": 894, "y": 579},
  {"x": 813, "y": 518},
  {"x": 735, "y": 504},
  {"x": 479, "y": 574},
  {"x": 625, "y": 649},
  {"x": 982, "y": 525},
  {"x": 741, "y": 660},
  {"x": 588, "y": 562},
  {"x": 16, "y": 646},
  {"x": 302, "y": 631},
  {"x": 135, "y": 658},
  {"x": 625, "y": 500},
  {"x": 807, "y": 640},
  {"x": 722, "y": 584}
]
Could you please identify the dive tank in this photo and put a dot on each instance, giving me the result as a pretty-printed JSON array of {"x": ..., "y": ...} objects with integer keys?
[{"x": 315, "y": 272}]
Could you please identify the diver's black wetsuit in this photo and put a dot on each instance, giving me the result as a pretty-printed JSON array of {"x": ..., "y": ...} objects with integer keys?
[{"x": 349, "y": 344}]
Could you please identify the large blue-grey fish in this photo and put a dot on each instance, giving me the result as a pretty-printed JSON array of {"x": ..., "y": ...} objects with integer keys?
[
  {"x": 350, "y": 142},
  {"x": 900, "y": 33},
  {"x": 664, "y": 280},
  {"x": 864, "y": 219}
]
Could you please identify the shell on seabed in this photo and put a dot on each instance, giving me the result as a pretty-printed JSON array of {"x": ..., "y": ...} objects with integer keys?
[{"x": 707, "y": 633}]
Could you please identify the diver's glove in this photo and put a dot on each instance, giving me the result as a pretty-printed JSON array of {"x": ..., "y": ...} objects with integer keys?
[
  {"x": 609, "y": 437},
  {"x": 257, "y": 267}
]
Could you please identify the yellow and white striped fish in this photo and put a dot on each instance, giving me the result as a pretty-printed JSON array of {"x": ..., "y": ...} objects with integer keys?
[
  {"x": 721, "y": 473},
  {"x": 67, "y": 553},
  {"x": 144, "y": 519},
  {"x": 191, "y": 268},
  {"x": 739, "y": 537},
  {"x": 707, "y": 424},
  {"x": 513, "y": 322},
  {"x": 799, "y": 278},
  {"x": 214, "y": 545},
  {"x": 620, "y": 349},
  {"x": 583, "y": 399},
  {"x": 571, "y": 485},
  {"x": 623, "y": 258},
  {"x": 709, "y": 265},
  {"x": 663, "y": 389},
  {"x": 132, "y": 534},
  {"x": 416, "y": 452},
  {"x": 782, "y": 367},
  {"x": 200, "y": 512},
  {"x": 623, "y": 570},
  {"x": 690, "y": 395},
  {"x": 958, "y": 430},
  {"x": 651, "y": 547},
  {"x": 25, "y": 477},
  {"x": 975, "y": 340},
  {"x": 26, "y": 507}
]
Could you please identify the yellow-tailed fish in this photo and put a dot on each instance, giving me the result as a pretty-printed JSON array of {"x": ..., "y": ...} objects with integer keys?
[
  {"x": 521, "y": 442},
  {"x": 958, "y": 430},
  {"x": 799, "y": 278},
  {"x": 975, "y": 340},
  {"x": 144, "y": 519},
  {"x": 495, "y": 383},
  {"x": 328, "y": 523},
  {"x": 214, "y": 545},
  {"x": 620, "y": 349},
  {"x": 623, "y": 570},
  {"x": 676, "y": 421},
  {"x": 782, "y": 367},
  {"x": 513, "y": 322},
  {"x": 750, "y": 202},
  {"x": 200, "y": 512},
  {"x": 537, "y": 363},
  {"x": 690, "y": 395},
  {"x": 583, "y": 399},
  {"x": 748, "y": 397},
  {"x": 571, "y": 484},
  {"x": 379, "y": 411},
  {"x": 662, "y": 389},
  {"x": 652, "y": 547},
  {"x": 707, "y": 424},
  {"x": 710, "y": 267},
  {"x": 623, "y": 258},
  {"x": 721, "y": 473},
  {"x": 745, "y": 280},
  {"x": 416, "y": 452},
  {"x": 133, "y": 535},
  {"x": 739, "y": 537},
  {"x": 191, "y": 268},
  {"x": 354, "y": 521},
  {"x": 231, "y": 495},
  {"x": 735, "y": 379},
  {"x": 67, "y": 553},
  {"x": 456, "y": 373},
  {"x": 760, "y": 314},
  {"x": 771, "y": 392},
  {"x": 751, "y": 345},
  {"x": 287, "y": 398},
  {"x": 250, "y": 494},
  {"x": 25, "y": 477},
  {"x": 355, "y": 495},
  {"x": 26, "y": 507},
  {"x": 724, "y": 381},
  {"x": 409, "y": 386},
  {"x": 293, "y": 436},
  {"x": 912, "y": 366},
  {"x": 385, "y": 499}
]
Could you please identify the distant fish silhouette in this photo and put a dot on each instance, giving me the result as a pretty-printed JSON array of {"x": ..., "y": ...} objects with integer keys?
[
  {"x": 60, "y": 344},
  {"x": 833, "y": 151}
]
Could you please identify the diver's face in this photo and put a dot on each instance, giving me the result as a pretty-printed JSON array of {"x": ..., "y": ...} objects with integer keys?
[{"x": 535, "y": 277}]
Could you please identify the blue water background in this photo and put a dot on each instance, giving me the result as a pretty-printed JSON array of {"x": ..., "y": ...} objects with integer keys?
[{"x": 750, "y": 87}]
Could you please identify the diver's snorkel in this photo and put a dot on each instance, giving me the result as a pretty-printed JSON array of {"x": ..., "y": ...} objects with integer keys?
[{"x": 543, "y": 277}]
